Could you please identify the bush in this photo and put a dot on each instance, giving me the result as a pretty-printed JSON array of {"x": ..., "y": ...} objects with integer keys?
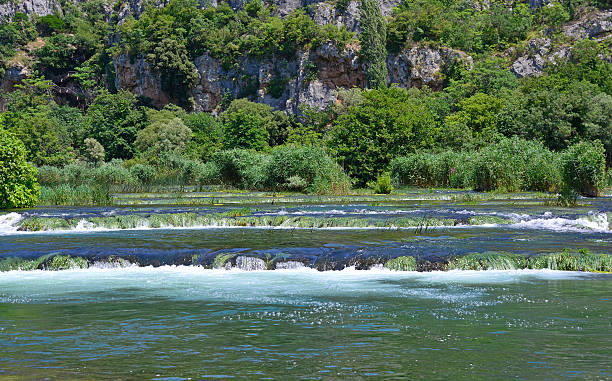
[
  {"x": 112, "y": 174},
  {"x": 241, "y": 168},
  {"x": 584, "y": 168},
  {"x": 18, "y": 186},
  {"x": 145, "y": 174},
  {"x": 312, "y": 165},
  {"x": 383, "y": 184}
]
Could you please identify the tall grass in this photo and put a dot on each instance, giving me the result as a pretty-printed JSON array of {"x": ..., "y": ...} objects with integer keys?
[{"x": 509, "y": 165}]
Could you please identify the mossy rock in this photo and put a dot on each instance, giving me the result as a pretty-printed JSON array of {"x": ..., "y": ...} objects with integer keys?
[{"x": 403, "y": 263}]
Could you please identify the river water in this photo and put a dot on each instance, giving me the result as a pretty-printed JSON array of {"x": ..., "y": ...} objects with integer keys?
[{"x": 163, "y": 314}]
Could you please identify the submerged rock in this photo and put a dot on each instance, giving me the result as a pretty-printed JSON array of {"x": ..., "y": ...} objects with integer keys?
[{"x": 250, "y": 263}]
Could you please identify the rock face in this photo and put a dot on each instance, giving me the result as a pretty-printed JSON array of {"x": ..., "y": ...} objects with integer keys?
[
  {"x": 36, "y": 7},
  {"x": 138, "y": 77},
  {"x": 540, "y": 52},
  {"x": 596, "y": 25},
  {"x": 420, "y": 66},
  {"x": 310, "y": 79}
]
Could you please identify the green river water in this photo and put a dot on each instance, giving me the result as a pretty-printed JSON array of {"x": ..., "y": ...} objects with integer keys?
[{"x": 145, "y": 302}]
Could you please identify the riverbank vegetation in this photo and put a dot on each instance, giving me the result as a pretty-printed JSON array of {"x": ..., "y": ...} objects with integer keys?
[{"x": 485, "y": 130}]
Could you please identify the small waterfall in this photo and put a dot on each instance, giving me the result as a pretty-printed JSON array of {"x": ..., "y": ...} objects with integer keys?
[
  {"x": 289, "y": 265},
  {"x": 8, "y": 222},
  {"x": 250, "y": 263}
]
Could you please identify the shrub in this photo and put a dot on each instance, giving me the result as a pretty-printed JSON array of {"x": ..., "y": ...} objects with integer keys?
[
  {"x": 383, "y": 184},
  {"x": 583, "y": 168},
  {"x": 94, "y": 152},
  {"x": 311, "y": 164},
  {"x": 163, "y": 136},
  {"x": 145, "y": 174},
  {"x": 18, "y": 186},
  {"x": 112, "y": 174},
  {"x": 245, "y": 125},
  {"x": 48, "y": 175},
  {"x": 241, "y": 168}
]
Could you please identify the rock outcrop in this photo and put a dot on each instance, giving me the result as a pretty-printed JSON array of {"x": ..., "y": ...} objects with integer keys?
[
  {"x": 29, "y": 7},
  {"x": 540, "y": 52},
  {"x": 138, "y": 77},
  {"x": 420, "y": 66}
]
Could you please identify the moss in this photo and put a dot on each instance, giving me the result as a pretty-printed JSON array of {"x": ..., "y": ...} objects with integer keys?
[
  {"x": 402, "y": 263},
  {"x": 486, "y": 220},
  {"x": 581, "y": 260},
  {"x": 14, "y": 263},
  {"x": 66, "y": 262},
  {"x": 221, "y": 260},
  {"x": 489, "y": 261}
]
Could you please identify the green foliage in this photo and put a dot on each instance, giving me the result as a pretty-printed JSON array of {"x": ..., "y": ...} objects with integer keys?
[
  {"x": 288, "y": 167},
  {"x": 386, "y": 124},
  {"x": 207, "y": 134},
  {"x": 145, "y": 174},
  {"x": 383, "y": 184},
  {"x": 402, "y": 263},
  {"x": 584, "y": 168},
  {"x": 47, "y": 140},
  {"x": 114, "y": 120},
  {"x": 459, "y": 24},
  {"x": 373, "y": 41},
  {"x": 50, "y": 24},
  {"x": 476, "y": 116},
  {"x": 241, "y": 168},
  {"x": 554, "y": 14},
  {"x": 246, "y": 125},
  {"x": 83, "y": 194},
  {"x": 18, "y": 186},
  {"x": 558, "y": 115},
  {"x": 510, "y": 165},
  {"x": 163, "y": 136}
]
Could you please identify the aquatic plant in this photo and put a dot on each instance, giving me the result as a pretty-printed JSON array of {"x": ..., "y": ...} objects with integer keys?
[
  {"x": 567, "y": 260},
  {"x": 14, "y": 263},
  {"x": 243, "y": 217},
  {"x": 488, "y": 261},
  {"x": 383, "y": 184},
  {"x": 403, "y": 263},
  {"x": 83, "y": 194},
  {"x": 66, "y": 262},
  {"x": 221, "y": 260}
]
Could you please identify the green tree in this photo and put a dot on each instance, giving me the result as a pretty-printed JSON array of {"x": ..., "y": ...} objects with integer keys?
[
  {"x": 18, "y": 185},
  {"x": 46, "y": 140},
  {"x": 246, "y": 125},
  {"x": 478, "y": 115},
  {"x": 388, "y": 123},
  {"x": 373, "y": 41},
  {"x": 114, "y": 120},
  {"x": 163, "y": 137},
  {"x": 207, "y": 134}
]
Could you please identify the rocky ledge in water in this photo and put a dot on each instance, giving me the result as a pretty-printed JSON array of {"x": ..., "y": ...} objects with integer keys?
[{"x": 580, "y": 260}]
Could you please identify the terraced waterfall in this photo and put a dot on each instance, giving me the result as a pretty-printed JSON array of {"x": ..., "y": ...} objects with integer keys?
[{"x": 380, "y": 287}]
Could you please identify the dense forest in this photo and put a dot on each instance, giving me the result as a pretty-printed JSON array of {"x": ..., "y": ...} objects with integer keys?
[{"x": 69, "y": 127}]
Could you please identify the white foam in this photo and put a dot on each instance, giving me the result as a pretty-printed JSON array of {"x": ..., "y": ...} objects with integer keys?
[
  {"x": 8, "y": 223},
  {"x": 594, "y": 222}
]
